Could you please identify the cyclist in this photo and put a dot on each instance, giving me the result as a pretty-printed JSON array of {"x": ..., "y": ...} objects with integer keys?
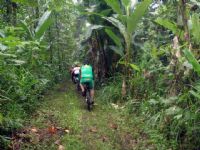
[
  {"x": 75, "y": 72},
  {"x": 87, "y": 77}
]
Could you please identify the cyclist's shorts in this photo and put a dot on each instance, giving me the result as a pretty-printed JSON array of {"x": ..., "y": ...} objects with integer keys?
[{"x": 90, "y": 82}]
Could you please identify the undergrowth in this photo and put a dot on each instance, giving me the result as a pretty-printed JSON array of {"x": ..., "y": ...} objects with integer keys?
[{"x": 169, "y": 121}]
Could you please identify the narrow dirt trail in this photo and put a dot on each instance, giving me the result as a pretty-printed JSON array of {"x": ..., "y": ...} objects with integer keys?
[{"x": 62, "y": 122}]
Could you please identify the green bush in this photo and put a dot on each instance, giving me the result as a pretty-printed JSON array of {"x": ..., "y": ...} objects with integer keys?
[{"x": 111, "y": 91}]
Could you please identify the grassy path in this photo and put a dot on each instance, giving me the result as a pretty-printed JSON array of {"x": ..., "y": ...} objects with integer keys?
[{"x": 62, "y": 122}]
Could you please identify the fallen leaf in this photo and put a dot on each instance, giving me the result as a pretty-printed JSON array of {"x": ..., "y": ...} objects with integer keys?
[
  {"x": 34, "y": 130},
  {"x": 52, "y": 130},
  {"x": 104, "y": 138},
  {"x": 93, "y": 129},
  {"x": 67, "y": 131},
  {"x": 57, "y": 142},
  {"x": 59, "y": 128},
  {"x": 113, "y": 126},
  {"x": 61, "y": 147}
]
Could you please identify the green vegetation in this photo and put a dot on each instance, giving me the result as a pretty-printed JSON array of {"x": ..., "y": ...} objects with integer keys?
[
  {"x": 106, "y": 127},
  {"x": 33, "y": 57},
  {"x": 146, "y": 63}
]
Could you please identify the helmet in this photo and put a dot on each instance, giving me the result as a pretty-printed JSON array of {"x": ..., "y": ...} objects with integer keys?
[{"x": 86, "y": 62}]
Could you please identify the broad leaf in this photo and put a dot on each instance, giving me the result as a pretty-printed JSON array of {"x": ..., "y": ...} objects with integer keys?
[
  {"x": 133, "y": 66},
  {"x": 167, "y": 24},
  {"x": 115, "y": 5},
  {"x": 27, "y": 29},
  {"x": 91, "y": 29},
  {"x": 170, "y": 26},
  {"x": 138, "y": 13},
  {"x": 126, "y": 3},
  {"x": 196, "y": 91},
  {"x": 114, "y": 37},
  {"x": 105, "y": 12},
  {"x": 117, "y": 50},
  {"x": 190, "y": 57},
  {"x": 195, "y": 94},
  {"x": 43, "y": 24},
  {"x": 119, "y": 25}
]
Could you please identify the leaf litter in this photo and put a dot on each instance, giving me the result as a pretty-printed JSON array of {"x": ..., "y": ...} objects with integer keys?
[{"x": 34, "y": 135}]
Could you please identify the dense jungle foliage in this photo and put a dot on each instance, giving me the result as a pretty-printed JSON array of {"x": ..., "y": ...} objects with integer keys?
[
  {"x": 145, "y": 56},
  {"x": 35, "y": 48}
]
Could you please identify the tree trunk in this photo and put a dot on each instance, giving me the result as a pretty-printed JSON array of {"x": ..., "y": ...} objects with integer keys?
[
  {"x": 104, "y": 62},
  {"x": 37, "y": 14},
  {"x": 185, "y": 19},
  {"x": 14, "y": 13},
  {"x": 50, "y": 43},
  {"x": 58, "y": 47},
  {"x": 8, "y": 11}
]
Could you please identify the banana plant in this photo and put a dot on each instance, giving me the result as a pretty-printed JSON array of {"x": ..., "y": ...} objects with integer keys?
[
  {"x": 126, "y": 21},
  {"x": 43, "y": 24}
]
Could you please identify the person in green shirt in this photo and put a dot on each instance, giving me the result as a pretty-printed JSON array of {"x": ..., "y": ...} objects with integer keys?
[{"x": 87, "y": 76}]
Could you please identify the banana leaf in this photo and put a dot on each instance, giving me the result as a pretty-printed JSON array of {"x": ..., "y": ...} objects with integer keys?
[
  {"x": 137, "y": 14},
  {"x": 115, "y": 5},
  {"x": 192, "y": 60},
  {"x": 43, "y": 24},
  {"x": 114, "y": 37},
  {"x": 117, "y": 50}
]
